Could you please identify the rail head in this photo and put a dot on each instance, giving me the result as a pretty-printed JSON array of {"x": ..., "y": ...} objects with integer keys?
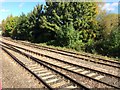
[{"x": 23, "y": 65}]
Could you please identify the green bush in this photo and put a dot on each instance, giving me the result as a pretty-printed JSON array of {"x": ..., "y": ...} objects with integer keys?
[
  {"x": 89, "y": 46},
  {"x": 114, "y": 41},
  {"x": 78, "y": 45},
  {"x": 111, "y": 45},
  {"x": 66, "y": 35}
]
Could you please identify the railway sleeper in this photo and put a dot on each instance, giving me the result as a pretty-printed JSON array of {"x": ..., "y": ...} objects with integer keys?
[
  {"x": 97, "y": 76},
  {"x": 51, "y": 77}
]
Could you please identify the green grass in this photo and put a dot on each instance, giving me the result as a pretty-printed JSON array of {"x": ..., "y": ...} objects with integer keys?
[
  {"x": 79, "y": 52},
  {"x": 75, "y": 51}
]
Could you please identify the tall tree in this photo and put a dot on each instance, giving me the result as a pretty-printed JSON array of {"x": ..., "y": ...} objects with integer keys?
[
  {"x": 82, "y": 15},
  {"x": 35, "y": 22},
  {"x": 21, "y": 30},
  {"x": 109, "y": 22},
  {"x": 8, "y": 25}
]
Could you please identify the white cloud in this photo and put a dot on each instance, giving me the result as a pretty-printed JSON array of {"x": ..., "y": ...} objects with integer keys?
[
  {"x": 21, "y": 5},
  {"x": 115, "y": 4},
  {"x": 2, "y": 0},
  {"x": 22, "y": 0},
  {"x": 110, "y": 6},
  {"x": 4, "y": 10}
]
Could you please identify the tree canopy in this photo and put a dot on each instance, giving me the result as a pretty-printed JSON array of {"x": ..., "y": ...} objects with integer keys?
[{"x": 76, "y": 25}]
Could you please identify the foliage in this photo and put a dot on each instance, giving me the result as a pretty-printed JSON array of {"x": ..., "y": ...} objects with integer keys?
[
  {"x": 0, "y": 25},
  {"x": 69, "y": 37},
  {"x": 108, "y": 23},
  {"x": 82, "y": 15},
  {"x": 77, "y": 25},
  {"x": 8, "y": 25},
  {"x": 35, "y": 22},
  {"x": 110, "y": 46},
  {"x": 21, "y": 28}
]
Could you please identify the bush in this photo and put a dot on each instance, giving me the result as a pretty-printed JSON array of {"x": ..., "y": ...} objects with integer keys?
[
  {"x": 89, "y": 46},
  {"x": 78, "y": 45},
  {"x": 114, "y": 41},
  {"x": 66, "y": 35},
  {"x": 111, "y": 45}
]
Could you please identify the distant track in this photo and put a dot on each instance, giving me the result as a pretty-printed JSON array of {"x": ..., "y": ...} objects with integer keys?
[
  {"x": 70, "y": 65},
  {"x": 110, "y": 63}
]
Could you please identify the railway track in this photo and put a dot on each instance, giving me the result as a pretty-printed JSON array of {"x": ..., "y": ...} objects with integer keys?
[
  {"x": 96, "y": 60},
  {"x": 99, "y": 77},
  {"x": 115, "y": 69},
  {"x": 51, "y": 78}
]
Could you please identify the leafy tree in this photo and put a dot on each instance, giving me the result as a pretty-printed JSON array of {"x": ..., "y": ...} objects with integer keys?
[
  {"x": 8, "y": 25},
  {"x": 110, "y": 46},
  {"x": 21, "y": 30},
  {"x": 108, "y": 23},
  {"x": 4, "y": 32},
  {"x": 101, "y": 12},
  {"x": 28, "y": 26},
  {"x": 115, "y": 42},
  {"x": 82, "y": 15},
  {"x": 0, "y": 25},
  {"x": 75, "y": 25},
  {"x": 35, "y": 22}
]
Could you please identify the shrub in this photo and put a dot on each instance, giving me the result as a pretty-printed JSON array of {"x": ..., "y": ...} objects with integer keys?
[{"x": 111, "y": 45}]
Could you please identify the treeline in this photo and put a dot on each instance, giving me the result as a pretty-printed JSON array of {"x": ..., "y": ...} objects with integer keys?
[{"x": 74, "y": 25}]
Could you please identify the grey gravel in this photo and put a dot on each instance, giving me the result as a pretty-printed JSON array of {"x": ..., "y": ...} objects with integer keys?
[
  {"x": 72, "y": 60},
  {"x": 14, "y": 76},
  {"x": 0, "y": 68}
]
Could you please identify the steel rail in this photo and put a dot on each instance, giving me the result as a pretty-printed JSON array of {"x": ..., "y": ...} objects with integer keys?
[
  {"x": 66, "y": 61},
  {"x": 38, "y": 60},
  {"x": 52, "y": 50},
  {"x": 24, "y": 66}
]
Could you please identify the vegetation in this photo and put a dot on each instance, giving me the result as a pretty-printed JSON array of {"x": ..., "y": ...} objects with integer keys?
[
  {"x": 111, "y": 45},
  {"x": 75, "y": 25}
]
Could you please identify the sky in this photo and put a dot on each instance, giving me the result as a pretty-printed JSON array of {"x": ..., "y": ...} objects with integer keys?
[{"x": 16, "y": 7}]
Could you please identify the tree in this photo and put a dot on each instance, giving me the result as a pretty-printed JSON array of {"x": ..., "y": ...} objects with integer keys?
[
  {"x": 109, "y": 22},
  {"x": 82, "y": 15},
  {"x": 110, "y": 46},
  {"x": 0, "y": 25},
  {"x": 8, "y": 25},
  {"x": 3, "y": 28},
  {"x": 21, "y": 29},
  {"x": 35, "y": 22}
]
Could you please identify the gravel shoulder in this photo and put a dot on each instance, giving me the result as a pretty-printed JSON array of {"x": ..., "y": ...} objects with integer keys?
[
  {"x": 0, "y": 66},
  {"x": 14, "y": 76},
  {"x": 72, "y": 59}
]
